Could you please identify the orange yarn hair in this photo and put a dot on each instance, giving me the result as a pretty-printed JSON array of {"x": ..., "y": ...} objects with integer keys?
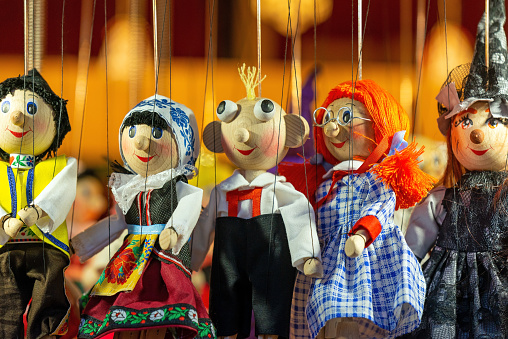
[
  {"x": 399, "y": 171},
  {"x": 387, "y": 114}
]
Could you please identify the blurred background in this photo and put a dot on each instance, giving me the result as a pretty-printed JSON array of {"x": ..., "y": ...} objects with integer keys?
[
  {"x": 100, "y": 57},
  {"x": 201, "y": 43}
]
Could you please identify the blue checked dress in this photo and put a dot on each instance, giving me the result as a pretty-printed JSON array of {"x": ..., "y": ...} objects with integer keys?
[{"x": 383, "y": 289}]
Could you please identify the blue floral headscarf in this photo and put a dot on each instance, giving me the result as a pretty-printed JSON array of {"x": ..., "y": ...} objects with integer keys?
[{"x": 183, "y": 125}]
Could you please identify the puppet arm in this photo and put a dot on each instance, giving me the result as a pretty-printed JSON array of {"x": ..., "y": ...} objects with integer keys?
[
  {"x": 300, "y": 222},
  {"x": 424, "y": 223},
  {"x": 377, "y": 209},
  {"x": 184, "y": 218},
  {"x": 204, "y": 232},
  {"x": 4, "y": 237},
  {"x": 56, "y": 198},
  {"x": 92, "y": 240}
]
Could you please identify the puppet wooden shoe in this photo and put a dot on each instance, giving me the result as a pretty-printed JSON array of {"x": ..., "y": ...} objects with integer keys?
[
  {"x": 146, "y": 288},
  {"x": 464, "y": 223},
  {"x": 262, "y": 225},
  {"x": 37, "y": 193},
  {"x": 372, "y": 286}
]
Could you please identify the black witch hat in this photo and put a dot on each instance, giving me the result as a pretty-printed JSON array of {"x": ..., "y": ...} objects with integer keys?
[
  {"x": 469, "y": 83},
  {"x": 33, "y": 81}
]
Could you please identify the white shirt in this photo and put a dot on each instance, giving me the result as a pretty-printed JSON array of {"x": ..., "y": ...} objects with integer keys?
[{"x": 277, "y": 196}]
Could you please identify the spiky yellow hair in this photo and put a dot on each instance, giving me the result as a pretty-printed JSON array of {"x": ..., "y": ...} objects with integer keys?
[{"x": 250, "y": 80}]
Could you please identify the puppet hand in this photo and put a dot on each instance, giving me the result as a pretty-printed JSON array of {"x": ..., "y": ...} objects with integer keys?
[
  {"x": 12, "y": 226},
  {"x": 355, "y": 245},
  {"x": 313, "y": 268},
  {"x": 30, "y": 214},
  {"x": 168, "y": 238}
]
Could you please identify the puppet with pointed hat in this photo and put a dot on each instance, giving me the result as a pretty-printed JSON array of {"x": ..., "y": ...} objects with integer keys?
[
  {"x": 36, "y": 195},
  {"x": 465, "y": 221}
]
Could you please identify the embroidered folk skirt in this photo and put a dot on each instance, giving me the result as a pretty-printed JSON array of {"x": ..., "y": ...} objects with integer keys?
[{"x": 163, "y": 297}]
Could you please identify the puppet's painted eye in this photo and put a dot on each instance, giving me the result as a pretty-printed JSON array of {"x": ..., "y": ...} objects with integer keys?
[
  {"x": 31, "y": 107},
  {"x": 226, "y": 111},
  {"x": 132, "y": 131},
  {"x": 264, "y": 109},
  {"x": 157, "y": 132},
  {"x": 466, "y": 123},
  {"x": 492, "y": 123},
  {"x": 6, "y": 106},
  {"x": 346, "y": 116}
]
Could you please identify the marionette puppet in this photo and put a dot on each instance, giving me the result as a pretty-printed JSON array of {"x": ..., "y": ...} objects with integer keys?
[
  {"x": 37, "y": 193},
  {"x": 263, "y": 227},
  {"x": 146, "y": 289},
  {"x": 465, "y": 221},
  {"x": 372, "y": 286}
]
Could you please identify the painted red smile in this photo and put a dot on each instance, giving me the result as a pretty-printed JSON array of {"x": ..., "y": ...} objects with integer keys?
[
  {"x": 145, "y": 159},
  {"x": 19, "y": 134},
  {"x": 246, "y": 152},
  {"x": 339, "y": 144},
  {"x": 479, "y": 152}
]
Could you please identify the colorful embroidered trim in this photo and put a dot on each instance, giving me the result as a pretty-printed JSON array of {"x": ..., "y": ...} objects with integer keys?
[
  {"x": 22, "y": 161},
  {"x": 14, "y": 197},
  {"x": 177, "y": 315}
]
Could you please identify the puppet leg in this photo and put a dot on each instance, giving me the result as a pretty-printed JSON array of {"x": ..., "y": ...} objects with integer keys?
[
  {"x": 340, "y": 329},
  {"x": 49, "y": 307},
  {"x": 15, "y": 290}
]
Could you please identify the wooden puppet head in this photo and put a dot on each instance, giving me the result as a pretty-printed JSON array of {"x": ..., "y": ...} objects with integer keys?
[
  {"x": 159, "y": 134},
  {"x": 353, "y": 120},
  {"x": 33, "y": 118},
  {"x": 478, "y": 140},
  {"x": 255, "y": 133}
]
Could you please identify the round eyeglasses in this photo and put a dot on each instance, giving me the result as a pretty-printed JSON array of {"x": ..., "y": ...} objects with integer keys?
[{"x": 344, "y": 116}]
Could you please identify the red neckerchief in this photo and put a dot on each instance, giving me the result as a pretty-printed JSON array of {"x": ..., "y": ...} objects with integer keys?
[
  {"x": 233, "y": 197},
  {"x": 373, "y": 158}
]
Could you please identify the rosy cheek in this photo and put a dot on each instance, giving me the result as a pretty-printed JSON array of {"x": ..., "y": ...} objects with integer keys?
[
  {"x": 167, "y": 149},
  {"x": 127, "y": 146},
  {"x": 41, "y": 126},
  {"x": 269, "y": 143},
  {"x": 228, "y": 146}
]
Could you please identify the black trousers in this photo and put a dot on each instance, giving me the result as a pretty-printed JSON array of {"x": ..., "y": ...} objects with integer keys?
[
  {"x": 251, "y": 271},
  {"x": 31, "y": 271}
]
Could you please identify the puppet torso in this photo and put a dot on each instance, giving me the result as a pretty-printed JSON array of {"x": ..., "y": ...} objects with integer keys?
[
  {"x": 467, "y": 272},
  {"x": 21, "y": 187},
  {"x": 149, "y": 210},
  {"x": 374, "y": 287}
]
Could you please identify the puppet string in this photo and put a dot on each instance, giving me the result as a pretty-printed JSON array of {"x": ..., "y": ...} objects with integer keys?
[{"x": 84, "y": 98}]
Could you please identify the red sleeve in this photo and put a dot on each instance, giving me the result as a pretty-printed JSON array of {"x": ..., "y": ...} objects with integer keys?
[{"x": 369, "y": 223}]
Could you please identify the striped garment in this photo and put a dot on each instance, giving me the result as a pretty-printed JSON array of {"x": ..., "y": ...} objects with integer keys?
[{"x": 383, "y": 289}]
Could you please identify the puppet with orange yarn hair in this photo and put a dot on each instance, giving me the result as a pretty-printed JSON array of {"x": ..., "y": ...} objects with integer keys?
[{"x": 373, "y": 285}]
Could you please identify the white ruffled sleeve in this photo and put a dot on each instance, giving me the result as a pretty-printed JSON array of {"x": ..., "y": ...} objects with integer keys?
[
  {"x": 186, "y": 213},
  {"x": 425, "y": 221},
  {"x": 57, "y": 197}
]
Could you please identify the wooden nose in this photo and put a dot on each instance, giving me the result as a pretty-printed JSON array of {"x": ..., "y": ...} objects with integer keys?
[{"x": 476, "y": 136}]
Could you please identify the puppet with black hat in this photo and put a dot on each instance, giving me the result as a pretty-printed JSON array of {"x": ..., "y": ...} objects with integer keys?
[
  {"x": 36, "y": 193},
  {"x": 464, "y": 222}
]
